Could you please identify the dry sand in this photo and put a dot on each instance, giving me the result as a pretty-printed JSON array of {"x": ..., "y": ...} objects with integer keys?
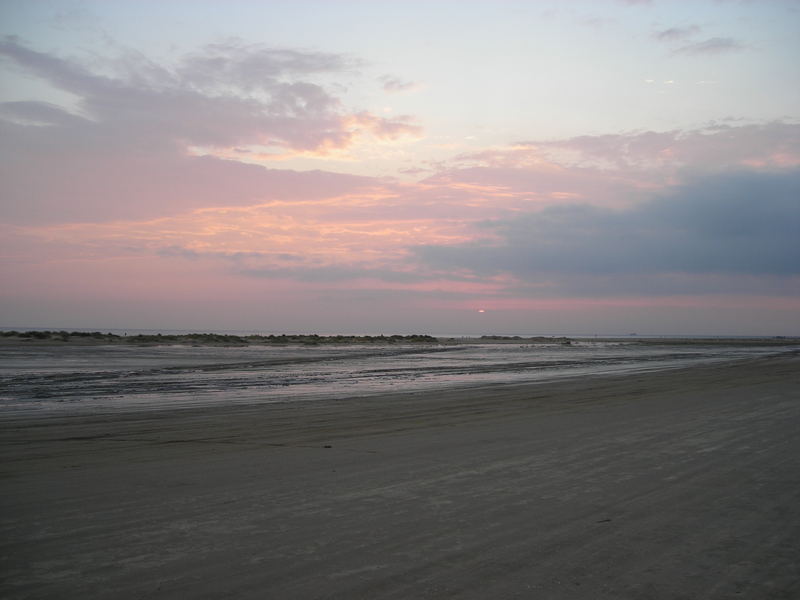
[{"x": 680, "y": 484}]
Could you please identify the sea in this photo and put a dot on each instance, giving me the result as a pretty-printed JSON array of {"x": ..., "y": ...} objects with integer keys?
[{"x": 80, "y": 379}]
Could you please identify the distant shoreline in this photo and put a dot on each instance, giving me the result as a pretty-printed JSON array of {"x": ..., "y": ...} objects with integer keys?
[{"x": 63, "y": 337}]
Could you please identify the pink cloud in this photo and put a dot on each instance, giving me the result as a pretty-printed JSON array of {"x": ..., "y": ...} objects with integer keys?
[
  {"x": 133, "y": 151},
  {"x": 79, "y": 187}
]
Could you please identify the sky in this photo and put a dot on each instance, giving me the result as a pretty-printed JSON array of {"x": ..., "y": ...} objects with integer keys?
[{"x": 376, "y": 166}]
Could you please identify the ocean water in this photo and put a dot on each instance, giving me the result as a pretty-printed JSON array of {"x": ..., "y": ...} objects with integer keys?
[{"x": 114, "y": 378}]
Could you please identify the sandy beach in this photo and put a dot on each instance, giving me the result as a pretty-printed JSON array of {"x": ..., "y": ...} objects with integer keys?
[{"x": 677, "y": 484}]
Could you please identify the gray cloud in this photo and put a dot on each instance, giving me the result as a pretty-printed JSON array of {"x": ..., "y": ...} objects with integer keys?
[
  {"x": 725, "y": 225},
  {"x": 37, "y": 113},
  {"x": 394, "y": 85},
  {"x": 253, "y": 67},
  {"x": 717, "y": 145},
  {"x": 711, "y": 46},
  {"x": 226, "y": 94},
  {"x": 676, "y": 33}
]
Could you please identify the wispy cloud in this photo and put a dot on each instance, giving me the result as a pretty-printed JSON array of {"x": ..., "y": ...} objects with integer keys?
[
  {"x": 227, "y": 94},
  {"x": 711, "y": 46},
  {"x": 394, "y": 85},
  {"x": 677, "y": 33},
  {"x": 774, "y": 145}
]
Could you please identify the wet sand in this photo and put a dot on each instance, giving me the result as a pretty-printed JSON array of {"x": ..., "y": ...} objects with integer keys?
[{"x": 679, "y": 484}]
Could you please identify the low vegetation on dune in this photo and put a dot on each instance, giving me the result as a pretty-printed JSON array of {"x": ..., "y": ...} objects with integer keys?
[{"x": 213, "y": 338}]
